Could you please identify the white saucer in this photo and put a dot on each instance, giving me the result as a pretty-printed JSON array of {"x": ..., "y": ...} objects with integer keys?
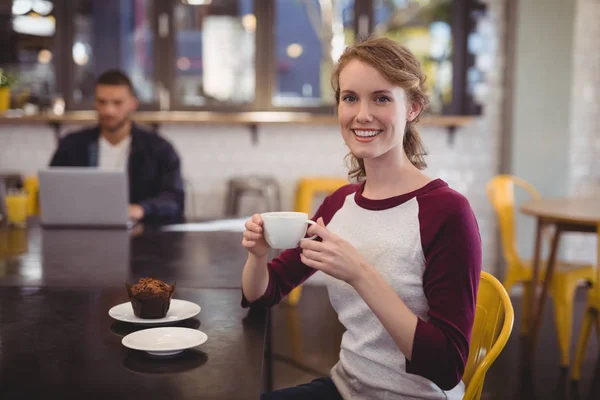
[
  {"x": 178, "y": 311},
  {"x": 165, "y": 341}
]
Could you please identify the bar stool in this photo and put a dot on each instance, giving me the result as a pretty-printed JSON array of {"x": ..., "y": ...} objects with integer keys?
[
  {"x": 264, "y": 187},
  {"x": 12, "y": 180}
]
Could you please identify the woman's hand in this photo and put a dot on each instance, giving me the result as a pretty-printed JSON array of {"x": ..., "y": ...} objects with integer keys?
[
  {"x": 253, "y": 239},
  {"x": 334, "y": 256}
]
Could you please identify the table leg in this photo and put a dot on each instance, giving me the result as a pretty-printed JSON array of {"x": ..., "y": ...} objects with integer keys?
[
  {"x": 532, "y": 300},
  {"x": 537, "y": 316},
  {"x": 268, "y": 360}
]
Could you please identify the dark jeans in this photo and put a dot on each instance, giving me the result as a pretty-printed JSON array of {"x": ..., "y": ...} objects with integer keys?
[{"x": 319, "y": 389}]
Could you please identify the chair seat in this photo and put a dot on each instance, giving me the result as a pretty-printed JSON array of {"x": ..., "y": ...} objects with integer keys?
[
  {"x": 565, "y": 272},
  {"x": 585, "y": 271}
]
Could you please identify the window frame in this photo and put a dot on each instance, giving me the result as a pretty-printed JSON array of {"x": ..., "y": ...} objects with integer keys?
[{"x": 265, "y": 71}]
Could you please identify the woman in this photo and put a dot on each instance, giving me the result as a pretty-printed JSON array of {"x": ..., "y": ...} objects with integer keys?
[{"x": 401, "y": 251}]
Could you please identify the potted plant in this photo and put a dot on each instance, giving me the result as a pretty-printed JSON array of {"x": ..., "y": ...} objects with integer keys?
[{"x": 6, "y": 82}]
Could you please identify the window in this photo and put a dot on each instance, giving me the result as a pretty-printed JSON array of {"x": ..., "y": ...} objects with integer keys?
[
  {"x": 425, "y": 27},
  {"x": 214, "y": 52},
  {"x": 309, "y": 36},
  {"x": 112, "y": 34},
  {"x": 237, "y": 55},
  {"x": 27, "y": 49},
  {"x": 481, "y": 45}
]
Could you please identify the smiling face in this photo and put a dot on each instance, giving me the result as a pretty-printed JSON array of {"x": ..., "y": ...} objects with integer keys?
[{"x": 372, "y": 112}]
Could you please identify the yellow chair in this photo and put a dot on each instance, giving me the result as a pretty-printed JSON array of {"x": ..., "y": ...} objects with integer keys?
[
  {"x": 567, "y": 276},
  {"x": 591, "y": 317},
  {"x": 306, "y": 190},
  {"x": 32, "y": 187},
  {"x": 494, "y": 318}
]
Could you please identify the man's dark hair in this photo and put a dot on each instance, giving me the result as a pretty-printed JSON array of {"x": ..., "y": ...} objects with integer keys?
[{"x": 115, "y": 77}]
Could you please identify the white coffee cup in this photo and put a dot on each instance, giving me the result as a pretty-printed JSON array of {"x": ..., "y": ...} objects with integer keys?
[{"x": 285, "y": 229}]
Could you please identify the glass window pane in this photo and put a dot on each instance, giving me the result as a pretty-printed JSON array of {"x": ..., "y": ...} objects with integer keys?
[
  {"x": 310, "y": 37},
  {"x": 215, "y": 50},
  {"x": 113, "y": 34},
  {"x": 481, "y": 45},
  {"x": 27, "y": 51},
  {"x": 424, "y": 26}
]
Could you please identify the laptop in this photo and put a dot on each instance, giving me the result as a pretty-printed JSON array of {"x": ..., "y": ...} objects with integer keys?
[{"x": 84, "y": 197}]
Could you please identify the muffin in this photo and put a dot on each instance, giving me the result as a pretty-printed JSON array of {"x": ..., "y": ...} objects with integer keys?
[{"x": 150, "y": 298}]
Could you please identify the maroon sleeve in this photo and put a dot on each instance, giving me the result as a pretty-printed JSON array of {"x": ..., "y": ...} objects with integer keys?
[
  {"x": 453, "y": 257},
  {"x": 287, "y": 271}
]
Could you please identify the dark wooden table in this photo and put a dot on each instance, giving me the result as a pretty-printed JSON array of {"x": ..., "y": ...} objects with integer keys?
[
  {"x": 58, "y": 341},
  {"x": 107, "y": 258}
]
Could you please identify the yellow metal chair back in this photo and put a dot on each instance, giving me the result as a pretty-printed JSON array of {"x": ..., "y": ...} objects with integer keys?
[
  {"x": 501, "y": 193},
  {"x": 567, "y": 276},
  {"x": 306, "y": 190},
  {"x": 493, "y": 325}
]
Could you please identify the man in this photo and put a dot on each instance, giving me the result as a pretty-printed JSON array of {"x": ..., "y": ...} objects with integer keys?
[{"x": 155, "y": 186}]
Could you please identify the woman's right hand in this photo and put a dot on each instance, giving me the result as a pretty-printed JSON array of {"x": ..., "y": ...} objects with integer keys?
[{"x": 253, "y": 239}]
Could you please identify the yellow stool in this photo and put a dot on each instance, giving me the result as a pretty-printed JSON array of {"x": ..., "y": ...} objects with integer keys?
[
  {"x": 591, "y": 318},
  {"x": 567, "y": 276},
  {"x": 306, "y": 190},
  {"x": 494, "y": 317},
  {"x": 32, "y": 187}
]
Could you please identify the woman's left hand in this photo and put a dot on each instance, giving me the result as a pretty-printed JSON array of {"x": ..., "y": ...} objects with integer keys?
[{"x": 334, "y": 256}]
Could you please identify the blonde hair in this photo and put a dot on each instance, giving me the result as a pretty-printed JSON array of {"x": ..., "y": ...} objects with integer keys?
[{"x": 399, "y": 66}]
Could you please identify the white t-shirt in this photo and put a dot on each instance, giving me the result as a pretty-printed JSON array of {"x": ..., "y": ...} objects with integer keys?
[{"x": 113, "y": 156}]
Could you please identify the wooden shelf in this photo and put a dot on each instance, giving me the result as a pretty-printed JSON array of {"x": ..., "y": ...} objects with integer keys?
[
  {"x": 240, "y": 118},
  {"x": 250, "y": 119}
]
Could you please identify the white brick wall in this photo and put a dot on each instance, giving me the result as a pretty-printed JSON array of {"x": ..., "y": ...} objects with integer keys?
[
  {"x": 584, "y": 132},
  {"x": 212, "y": 154}
]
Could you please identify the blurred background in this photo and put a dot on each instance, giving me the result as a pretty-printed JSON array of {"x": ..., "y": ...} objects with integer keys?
[{"x": 242, "y": 88}]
